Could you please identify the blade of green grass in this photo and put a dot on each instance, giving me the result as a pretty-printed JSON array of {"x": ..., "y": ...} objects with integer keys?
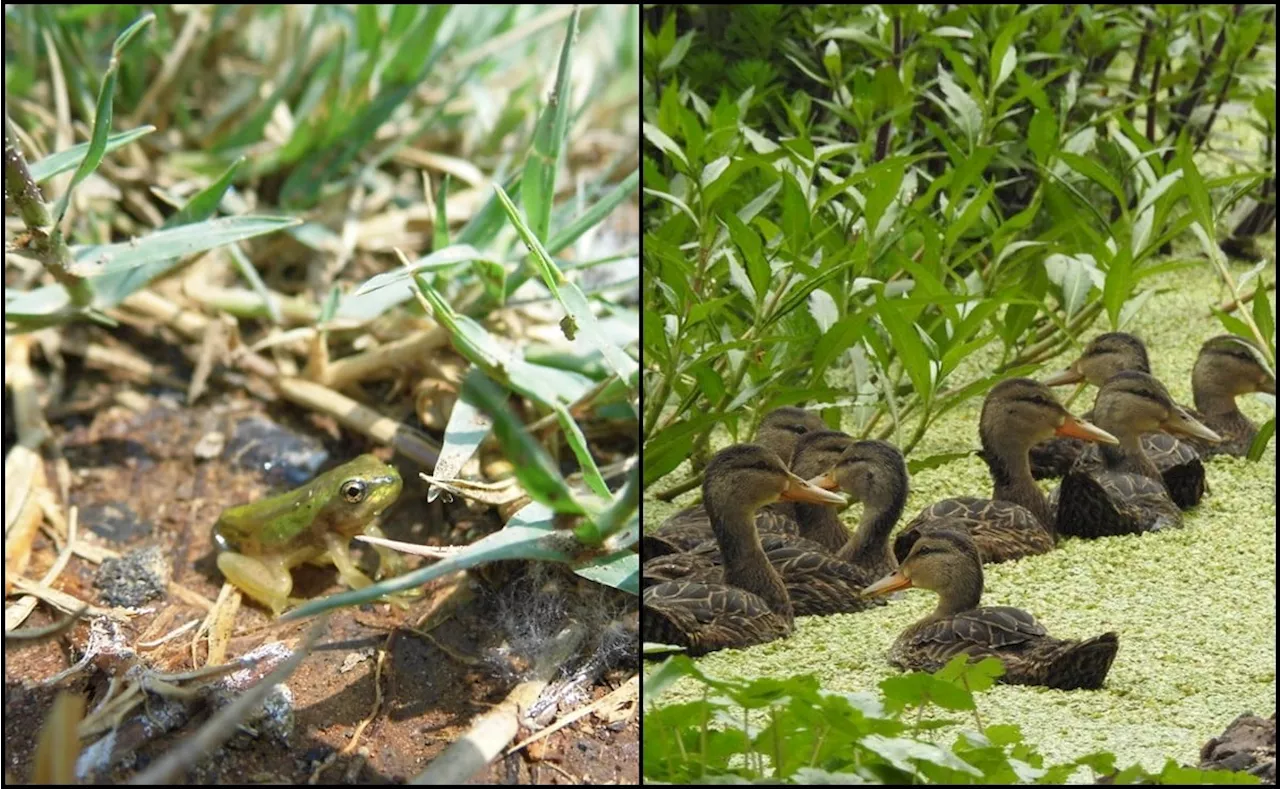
[
  {"x": 579, "y": 315},
  {"x": 534, "y": 468},
  {"x": 383, "y": 291},
  {"x": 101, "y": 118},
  {"x": 530, "y": 534},
  {"x": 620, "y": 569},
  {"x": 60, "y": 162},
  {"x": 546, "y": 386},
  {"x": 204, "y": 203},
  {"x": 544, "y": 157}
]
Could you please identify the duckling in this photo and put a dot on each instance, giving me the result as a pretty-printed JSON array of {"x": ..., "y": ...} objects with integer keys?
[
  {"x": 815, "y": 452},
  {"x": 818, "y": 582},
  {"x": 1227, "y": 367},
  {"x": 749, "y": 603},
  {"x": 947, "y": 562},
  {"x": 1017, "y": 520},
  {"x": 779, "y": 431},
  {"x": 1117, "y": 489}
]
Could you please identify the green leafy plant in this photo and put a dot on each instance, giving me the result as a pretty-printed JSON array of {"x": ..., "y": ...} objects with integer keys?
[
  {"x": 789, "y": 730},
  {"x": 924, "y": 201}
]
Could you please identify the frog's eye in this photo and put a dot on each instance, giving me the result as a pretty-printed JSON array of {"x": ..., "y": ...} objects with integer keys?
[{"x": 353, "y": 491}]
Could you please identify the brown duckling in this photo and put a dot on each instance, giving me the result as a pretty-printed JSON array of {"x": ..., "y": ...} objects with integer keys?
[
  {"x": 874, "y": 473},
  {"x": 818, "y": 581},
  {"x": 688, "y": 528},
  {"x": 815, "y": 453},
  {"x": 1227, "y": 367},
  {"x": 946, "y": 561},
  {"x": 1017, "y": 520},
  {"x": 1118, "y": 489},
  {"x": 749, "y": 604}
]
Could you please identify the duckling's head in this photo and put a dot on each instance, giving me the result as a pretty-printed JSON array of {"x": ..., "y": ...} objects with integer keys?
[
  {"x": 1020, "y": 412},
  {"x": 1104, "y": 356},
  {"x": 943, "y": 560},
  {"x": 817, "y": 452},
  {"x": 782, "y": 427},
  {"x": 873, "y": 472},
  {"x": 745, "y": 477},
  {"x": 1230, "y": 365},
  {"x": 1132, "y": 403}
]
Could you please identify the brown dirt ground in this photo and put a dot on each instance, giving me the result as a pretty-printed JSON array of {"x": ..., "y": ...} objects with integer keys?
[{"x": 137, "y": 471}]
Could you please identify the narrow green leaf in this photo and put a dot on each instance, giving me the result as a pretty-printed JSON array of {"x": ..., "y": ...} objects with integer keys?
[
  {"x": 595, "y": 214},
  {"x": 440, "y": 233},
  {"x": 60, "y": 162},
  {"x": 535, "y": 469},
  {"x": 1259, "y": 444},
  {"x": 577, "y": 310},
  {"x": 204, "y": 203},
  {"x": 544, "y": 157},
  {"x": 468, "y": 425},
  {"x": 97, "y": 143},
  {"x": 546, "y": 386},
  {"x": 530, "y": 534}
]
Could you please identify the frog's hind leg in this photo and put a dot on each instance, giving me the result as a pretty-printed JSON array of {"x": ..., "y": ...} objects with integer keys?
[{"x": 267, "y": 582}]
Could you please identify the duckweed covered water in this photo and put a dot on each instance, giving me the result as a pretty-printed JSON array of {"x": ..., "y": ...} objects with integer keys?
[{"x": 1195, "y": 608}]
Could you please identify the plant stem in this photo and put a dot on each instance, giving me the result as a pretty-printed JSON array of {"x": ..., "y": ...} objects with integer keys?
[{"x": 45, "y": 241}]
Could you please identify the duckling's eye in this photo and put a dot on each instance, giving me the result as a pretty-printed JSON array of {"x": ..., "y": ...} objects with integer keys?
[{"x": 353, "y": 491}]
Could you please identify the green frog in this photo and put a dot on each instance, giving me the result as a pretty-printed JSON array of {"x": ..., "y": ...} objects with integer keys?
[{"x": 260, "y": 543}]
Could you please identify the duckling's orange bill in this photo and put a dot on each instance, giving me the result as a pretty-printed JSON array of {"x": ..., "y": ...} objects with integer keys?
[
  {"x": 890, "y": 583},
  {"x": 798, "y": 489},
  {"x": 1074, "y": 427},
  {"x": 826, "y": 481},
  {"x": 1068, "y": 376},
  {"x": 1182, "y": 424}
]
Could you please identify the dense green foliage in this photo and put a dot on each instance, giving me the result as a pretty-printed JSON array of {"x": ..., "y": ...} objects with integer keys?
[{"x": 845, "y": 202}]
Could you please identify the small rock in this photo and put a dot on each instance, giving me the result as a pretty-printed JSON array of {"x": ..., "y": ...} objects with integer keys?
[
  {"x": 114, "y": 521},
  {"x": 135, "y": 578},
  {"x": 286, "y": 457}
]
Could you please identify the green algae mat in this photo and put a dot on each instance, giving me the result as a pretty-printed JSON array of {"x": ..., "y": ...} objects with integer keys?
[{"x": 1194, "y": 607}]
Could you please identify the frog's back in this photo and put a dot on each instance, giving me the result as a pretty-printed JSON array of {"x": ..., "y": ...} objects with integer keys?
[{"x": 273, "y": 521}]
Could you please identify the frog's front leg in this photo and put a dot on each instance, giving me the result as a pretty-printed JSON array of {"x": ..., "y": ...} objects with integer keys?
[
  {"x": 266, "y": 580},
  {"x": 340, "y": 554},
  {"x": 390, "y": 563}
]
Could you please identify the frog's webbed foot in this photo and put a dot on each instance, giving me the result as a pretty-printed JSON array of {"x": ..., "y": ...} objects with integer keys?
[{"x": 267, "y": 582}]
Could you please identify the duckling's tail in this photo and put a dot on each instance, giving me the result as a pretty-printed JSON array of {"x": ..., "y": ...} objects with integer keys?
[{"x": 1083, "y": 664}]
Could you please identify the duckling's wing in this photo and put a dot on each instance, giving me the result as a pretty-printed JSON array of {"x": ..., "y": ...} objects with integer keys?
[
  {"x": 675, "y": 567},
  {"x": 1180, "y": 467},
  {"x": 1095, "y": 502},
  {"x": 1001, "y": 530},
  {"x": 820, "y": 584},
  {"x": 989, "y": 627},
  {"x": 707, "y": 617}
]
